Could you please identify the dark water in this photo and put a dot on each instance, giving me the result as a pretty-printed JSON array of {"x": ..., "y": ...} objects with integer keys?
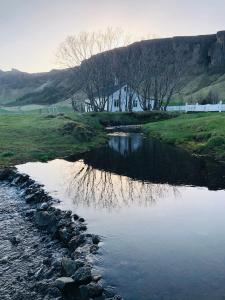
[{"x": 161, "y": 214}]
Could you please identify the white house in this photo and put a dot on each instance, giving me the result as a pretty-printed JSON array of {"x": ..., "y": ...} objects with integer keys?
[{"x": 120, "y": 98}]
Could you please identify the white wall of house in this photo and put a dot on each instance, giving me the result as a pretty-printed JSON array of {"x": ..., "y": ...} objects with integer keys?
[
  {"x": 123, "y": 95},
  {"x": 118, "y": 101}
]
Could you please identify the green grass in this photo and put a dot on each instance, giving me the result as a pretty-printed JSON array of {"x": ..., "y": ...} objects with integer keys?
[
  {"x": 32, "y": 137},
  {"x": 126, "y": 118},
  {"x": 200, "y": 133}
]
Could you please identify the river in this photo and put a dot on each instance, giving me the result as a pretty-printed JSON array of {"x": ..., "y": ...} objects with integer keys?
[{"x": 160, "y": 212}]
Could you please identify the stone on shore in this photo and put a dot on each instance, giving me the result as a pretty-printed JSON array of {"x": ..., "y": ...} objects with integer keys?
[
  {"x": 83, "y": 275},
  {"x": 63, "y": 283}
]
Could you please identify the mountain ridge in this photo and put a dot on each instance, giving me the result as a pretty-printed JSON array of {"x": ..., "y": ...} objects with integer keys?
[{"x": 204, "y": 54}]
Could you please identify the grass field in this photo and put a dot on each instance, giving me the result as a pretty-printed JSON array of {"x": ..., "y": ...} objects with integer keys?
[
  {"x": 32, "y": 137},
  {"x": 200, "y": 133}
]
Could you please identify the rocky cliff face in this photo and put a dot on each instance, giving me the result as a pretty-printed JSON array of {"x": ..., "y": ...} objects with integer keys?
[
  {"x": 204, "y": 55},
  {"x": 200, "y": 52}
]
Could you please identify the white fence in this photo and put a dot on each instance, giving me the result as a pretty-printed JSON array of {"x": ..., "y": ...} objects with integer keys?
[{"x": 198, "y": 107}]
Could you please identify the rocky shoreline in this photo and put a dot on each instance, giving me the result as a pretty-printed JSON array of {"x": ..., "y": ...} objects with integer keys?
[{"x": 69, "y": 273}]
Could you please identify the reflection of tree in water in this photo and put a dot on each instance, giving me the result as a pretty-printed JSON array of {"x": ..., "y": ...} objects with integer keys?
[{"x": 102, "y": 189}]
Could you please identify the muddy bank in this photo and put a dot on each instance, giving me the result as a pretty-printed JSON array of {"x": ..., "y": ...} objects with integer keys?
[{"x": 45, "y": 253}]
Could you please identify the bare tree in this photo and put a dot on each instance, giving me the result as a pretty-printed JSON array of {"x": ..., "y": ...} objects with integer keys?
[
  {"x": 94, "y": 73},
  {"x": 161, "y": 70}
]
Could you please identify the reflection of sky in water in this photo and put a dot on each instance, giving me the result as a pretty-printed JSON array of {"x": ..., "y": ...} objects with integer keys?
[{"x": 160, "y": 241}]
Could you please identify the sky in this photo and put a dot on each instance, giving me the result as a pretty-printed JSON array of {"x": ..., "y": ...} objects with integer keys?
[{"x": 31, "y": 30}]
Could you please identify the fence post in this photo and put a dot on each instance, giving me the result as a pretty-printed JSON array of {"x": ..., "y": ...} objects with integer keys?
[
  {"x": 186, "y": 107},
  {"x": 220, "y": 106},
  {"x": 196, "y": 106}
]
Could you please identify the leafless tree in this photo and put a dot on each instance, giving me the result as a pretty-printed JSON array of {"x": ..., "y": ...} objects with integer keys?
[
  {"x": 94, "y": 73},
  {"x": 160, "y": 71}
]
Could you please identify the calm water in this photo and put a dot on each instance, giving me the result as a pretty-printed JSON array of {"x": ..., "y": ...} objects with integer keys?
[{"x": 160, "y": 212}]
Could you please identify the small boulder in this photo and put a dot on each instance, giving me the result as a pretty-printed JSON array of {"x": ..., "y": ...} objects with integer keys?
[
  {"x": 83, "y": 275},
  {"x": 63, "y": 283},
  {"x": 64, "y": 235},
  {"x": 90, "y": 290},
  {"x": 30, "y": 212},
  {"x": 47, "y": 220},
  {"x": 44, "y": 206},
  {"x": 69, "y": 266},
  {"x": 95, "y": 239},
  {"x": 76, "y": 241},
  {"x": 75, "y": 217}
]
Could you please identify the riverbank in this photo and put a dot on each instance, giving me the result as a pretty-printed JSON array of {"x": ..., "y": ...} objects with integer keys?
[
  {"x": 35, "y": 137},
  {"x": 50, "y": 249},
  {"x": 201, "y": 133}
]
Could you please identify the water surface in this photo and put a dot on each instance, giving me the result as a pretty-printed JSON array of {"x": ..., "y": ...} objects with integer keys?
[{"x": 161, "y": 214}]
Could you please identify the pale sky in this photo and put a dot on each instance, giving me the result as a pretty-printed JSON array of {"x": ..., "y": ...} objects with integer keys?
[{"x": 31, "y": 30}]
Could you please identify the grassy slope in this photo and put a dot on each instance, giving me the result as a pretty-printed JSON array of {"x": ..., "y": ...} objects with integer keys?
[
  {"x": 33, "y": 137},
  {"x": 201, "y": 133}
]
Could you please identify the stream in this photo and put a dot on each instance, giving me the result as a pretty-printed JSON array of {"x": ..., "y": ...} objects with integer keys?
[{"x": 160, "y": 212}]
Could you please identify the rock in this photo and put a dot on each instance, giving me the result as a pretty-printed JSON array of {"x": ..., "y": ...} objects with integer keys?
[
  {"x": 46, "y": 220},
  {"x": 57, "y": 264},
  {"x": 76, "y": 241},
  {"x": 47, "y": 261},
  {"x": 65, "y": 235},
  {"x": 44, "y": 206},
  {"x": 82, "y": 275},
  {"x": 38, "y": 274},
  {"x": 81, "y": 220},
  {"x": 68, "y": 213},
  {"x": 30, "y": 198},
  {"x": 95, "y": 239},
  {"x": 20, "y": 179},
  {"x": 90, "y": 290},
  {"x": 6, "y": 174},
  {"x": 76, "y": 217},
  {"x": 117, "y": 297},
  {"x": 96, "y": 278},
  {"x": 30, "y": 212},
  {"x": 64, "y": 222},
  {"x": 69, "y": 266},
  {"x": 94, "y": 249},
  {"x": 4, "y": 260},
  {"x": 15, "y": 240},
  {"x": 63, "y": 283},
  {"x": 54, "y": 292}
]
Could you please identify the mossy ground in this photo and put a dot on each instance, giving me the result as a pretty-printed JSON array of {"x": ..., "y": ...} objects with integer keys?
[{"x": 200, "y": 133}]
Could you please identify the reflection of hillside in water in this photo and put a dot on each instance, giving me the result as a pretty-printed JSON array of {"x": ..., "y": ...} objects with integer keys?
[
  {"x": 156, "y": 162},
  {"x": 133, "y": 170}
]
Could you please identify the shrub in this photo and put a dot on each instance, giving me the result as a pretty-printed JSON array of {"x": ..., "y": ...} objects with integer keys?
[{"x": 216, "y": 141}]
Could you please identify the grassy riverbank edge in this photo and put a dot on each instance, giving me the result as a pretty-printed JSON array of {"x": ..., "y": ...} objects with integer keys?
[
  {"x": 32, "y": 137},
  {"x": 201, "y": 134},
  {"x": 35, "y": 137}
]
